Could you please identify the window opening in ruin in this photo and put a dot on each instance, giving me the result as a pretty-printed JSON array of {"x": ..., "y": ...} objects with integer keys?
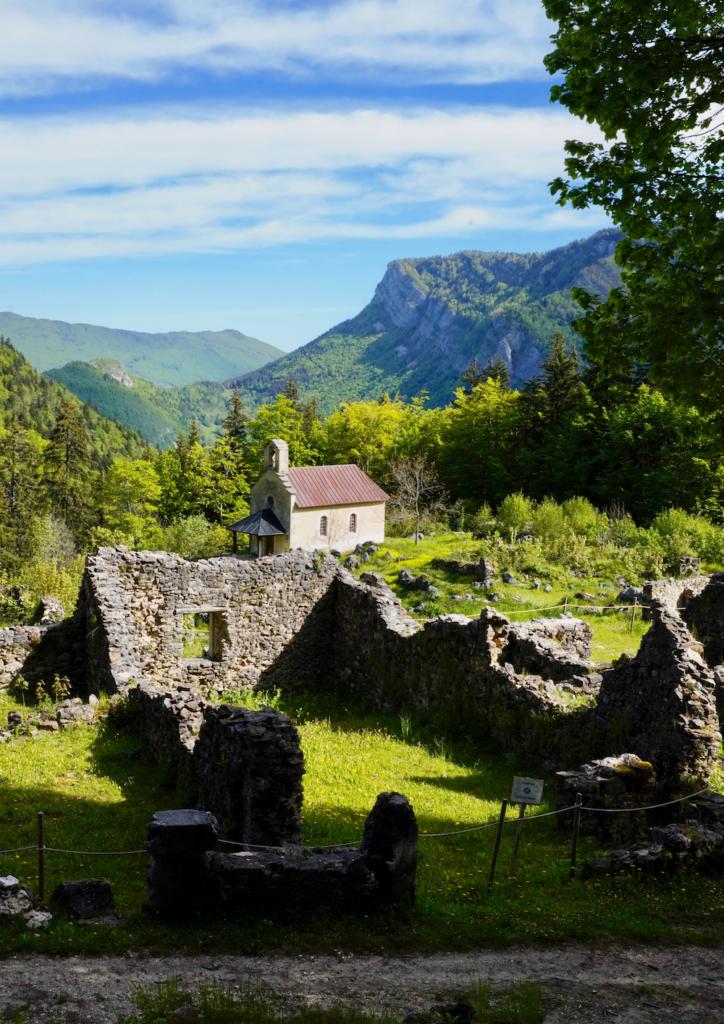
[
  {"x": 196, "y": 635},
  {"x": 270, "y": 502},
  {"x": 218, "y": 634},
  {"x": 353, "y": 523},
  {"x": 323, "y": 522}
]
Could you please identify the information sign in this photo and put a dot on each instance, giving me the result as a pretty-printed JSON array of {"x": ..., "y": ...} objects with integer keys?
[{"x": 526, "y": 791}]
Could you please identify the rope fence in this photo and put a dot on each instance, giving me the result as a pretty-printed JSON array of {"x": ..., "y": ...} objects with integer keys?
[{"x": 501, "y": 822}]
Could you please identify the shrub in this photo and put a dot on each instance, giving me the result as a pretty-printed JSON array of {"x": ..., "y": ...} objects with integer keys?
[{"x": 515, "y": 513}]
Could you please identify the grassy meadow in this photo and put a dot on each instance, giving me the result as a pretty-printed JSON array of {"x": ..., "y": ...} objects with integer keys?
[{"x": 98, "y": 788}]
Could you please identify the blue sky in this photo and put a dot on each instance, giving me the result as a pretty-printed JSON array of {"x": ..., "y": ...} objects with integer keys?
[{"x": 201, "y": 165}]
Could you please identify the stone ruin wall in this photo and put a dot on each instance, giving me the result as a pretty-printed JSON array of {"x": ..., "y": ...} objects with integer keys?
[
  {"x": 298, "y": 619},
  {"x": 38, "y": 653},
  {"x": 245, "y": 767},
  {"x": 133, "y": 605},
  {"x": 704, "y": 614},
  {"x": 672, "y": 593},
  {"x": 660, "y": 704}
]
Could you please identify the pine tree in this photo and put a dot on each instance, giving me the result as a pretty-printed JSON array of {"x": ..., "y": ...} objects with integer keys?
[
  {"x": 67, "y": 463},
  {"x": 235, "y": 423},
  {"x": 21, "y": 500},
  {"x": 561, "y": 379},
  {"x": 291, "y": 391},
  {"x": 497, "y": 371},
  {"x": 472, "y": 377}
]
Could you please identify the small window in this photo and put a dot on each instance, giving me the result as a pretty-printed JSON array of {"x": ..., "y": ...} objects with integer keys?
[
  {"x": 323, "y": 526},
  {"x": 270, "y": 502},
  {"x": 353, "y": 523}
]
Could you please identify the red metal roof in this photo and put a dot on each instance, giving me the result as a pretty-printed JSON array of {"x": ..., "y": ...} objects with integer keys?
[{"x": 317, "y": 486}]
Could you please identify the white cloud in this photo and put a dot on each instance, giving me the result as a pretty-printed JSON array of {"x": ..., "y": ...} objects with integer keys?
[
  {"x": 137, "y": 187},
  {"x": 411, "y": 40}
]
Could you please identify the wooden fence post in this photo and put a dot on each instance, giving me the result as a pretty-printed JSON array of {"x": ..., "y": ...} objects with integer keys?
[
  {"x": 41, "y": 856},
  {"x": 496, "y": 848},
  {"x": 576, "y": 829}
]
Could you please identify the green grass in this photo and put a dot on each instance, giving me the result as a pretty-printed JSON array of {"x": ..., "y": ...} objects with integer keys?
[
  {"x": 612, "y": 634},
  {"x": 217, "y": 1003},
  {"x": 98, "y": 789}
]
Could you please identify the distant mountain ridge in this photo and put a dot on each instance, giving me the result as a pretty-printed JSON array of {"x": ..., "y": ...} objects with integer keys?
[
  {"x": 156, "y": 413},
  {"x": 430, "y": 317},
  {"x": 167, "y": 360}
]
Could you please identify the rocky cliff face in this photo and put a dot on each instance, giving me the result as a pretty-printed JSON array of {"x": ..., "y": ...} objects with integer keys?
[
  {"x": 429, "y": 318},
  {"x": 423, "y": 298}
]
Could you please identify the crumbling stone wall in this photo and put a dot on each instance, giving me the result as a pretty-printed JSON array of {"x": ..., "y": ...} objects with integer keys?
[
  {"x": 705, "y": 615},
  {"x": 660, "y": 703},
  {"x": 301, "y": 619},
  {"x": 672, "y": 593},
  {"x": 557, "y": 649},
  {"x": 132, "y": 605},
  {"x": 40, "y": 652},
  {"x": 245, "y": 767},
  {"x": 451, "y": 666},
  {"x": 187, "y": 876}
]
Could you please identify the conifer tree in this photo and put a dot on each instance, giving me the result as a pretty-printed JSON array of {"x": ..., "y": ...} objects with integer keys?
[
  {"x": 235, "y": 422},
  {"x": 67, "y": 463},
  {"x": 561, "y": 379},
  {"x": 291, "y": 391}
]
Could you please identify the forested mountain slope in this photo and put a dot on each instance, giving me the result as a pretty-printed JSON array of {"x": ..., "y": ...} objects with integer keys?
[
  {"x": 175, "y": 358},
  {"x": 430, "y": 317},
  {"x": 36, "y": 402},
  {"x": 156, "y": 413}
]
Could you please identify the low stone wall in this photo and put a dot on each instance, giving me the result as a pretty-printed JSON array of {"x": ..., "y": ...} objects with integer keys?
[
  {"x": 705, "y": 614},
  {"x": 38, "y": 653},
  {"x": 672, "y": 593},
  {"x": 245, "y": 767},
  {"x": 697, "y": 843},
  {"x": 188, "y": 877},
  {"x": 484, "y": 569},
  {"x": 452, "y": 667},
  {"x": 660, "y": 703},
  {"x": 557, "y": 649}
]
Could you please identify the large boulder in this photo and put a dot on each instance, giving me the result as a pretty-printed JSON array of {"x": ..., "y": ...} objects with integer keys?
[{"x": 87, "y": 897}]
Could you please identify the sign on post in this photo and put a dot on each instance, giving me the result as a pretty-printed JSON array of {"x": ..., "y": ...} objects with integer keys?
[
  {"x": 523, "y": 792},
  {"x": 526, "y": 791}
]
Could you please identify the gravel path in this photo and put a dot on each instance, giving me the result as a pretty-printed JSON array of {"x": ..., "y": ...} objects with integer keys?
[{"x": 681, "y": 986}]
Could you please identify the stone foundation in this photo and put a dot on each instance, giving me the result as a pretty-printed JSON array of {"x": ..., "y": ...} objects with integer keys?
[{"x": 188, "y": 877}]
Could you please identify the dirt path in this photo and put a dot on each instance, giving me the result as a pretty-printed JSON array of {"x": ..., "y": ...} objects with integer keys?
[{"x": 580, "y": 984}]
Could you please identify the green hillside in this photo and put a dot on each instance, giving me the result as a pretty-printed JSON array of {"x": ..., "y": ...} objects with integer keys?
[
  {"x": 156, "y": 413},
  {"x": 430, "y": 317},
  {"x": 176, "y": 358},
  {"x": 36, "y": 402}
]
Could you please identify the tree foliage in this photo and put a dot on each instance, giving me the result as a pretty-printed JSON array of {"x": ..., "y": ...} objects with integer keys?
[{"x": 650, "y": 74}]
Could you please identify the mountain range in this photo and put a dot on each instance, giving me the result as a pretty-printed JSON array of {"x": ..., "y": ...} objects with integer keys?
[
  {"x": 175, "y": 358},
  {"x": 428, "y": 319}
]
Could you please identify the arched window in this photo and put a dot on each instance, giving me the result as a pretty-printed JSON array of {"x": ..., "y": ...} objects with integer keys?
[
  {"x": 353, "y": 523},
  {"x": 323, "y": 526},
  {"x": 270, "y": 502}
]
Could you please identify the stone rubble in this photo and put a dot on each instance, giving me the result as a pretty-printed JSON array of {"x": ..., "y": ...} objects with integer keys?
[{"x": 188, "y": 876}]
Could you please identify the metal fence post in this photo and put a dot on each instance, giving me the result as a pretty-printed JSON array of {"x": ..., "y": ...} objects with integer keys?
[
  {"x": 576, "y": 828},
  {"x": 496, "y": 848},
  {"x": 518, "y": 829},
  {"x": 41, "y": 856}
]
